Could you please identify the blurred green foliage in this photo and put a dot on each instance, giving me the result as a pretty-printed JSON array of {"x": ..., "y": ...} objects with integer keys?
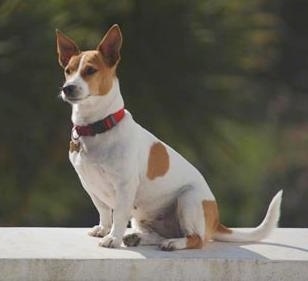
[{"x": 223, "y": 82}]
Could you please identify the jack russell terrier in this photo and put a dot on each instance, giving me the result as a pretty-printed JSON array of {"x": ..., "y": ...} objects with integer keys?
[{"x": 128, "y": 172}]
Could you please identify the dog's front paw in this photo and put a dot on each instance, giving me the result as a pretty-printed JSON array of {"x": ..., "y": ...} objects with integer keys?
[
  {"x": 132, "y": 240},
  {"x": 98, "y": 231},
  {"x": 110, "y": 241}
]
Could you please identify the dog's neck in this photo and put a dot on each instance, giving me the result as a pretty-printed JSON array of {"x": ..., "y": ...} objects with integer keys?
[{"x": 96, "y": 108}]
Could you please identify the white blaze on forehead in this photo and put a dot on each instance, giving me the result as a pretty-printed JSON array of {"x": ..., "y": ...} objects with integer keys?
[
  {"x": 80, "y": 64},
  {"x": 77, "y": 75},
  {"x": 76, "y": 79}
]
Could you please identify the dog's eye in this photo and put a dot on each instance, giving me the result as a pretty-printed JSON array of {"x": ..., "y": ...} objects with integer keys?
[
  {"x": 67, "y": 71},
  {"x": 90, "y": 71}
]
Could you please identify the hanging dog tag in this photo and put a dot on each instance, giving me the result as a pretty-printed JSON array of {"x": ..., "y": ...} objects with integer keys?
[{"x": 74, "y": 146}]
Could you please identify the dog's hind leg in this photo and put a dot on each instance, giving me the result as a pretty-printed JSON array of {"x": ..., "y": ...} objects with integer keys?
[{"x": 190, "y": 215}]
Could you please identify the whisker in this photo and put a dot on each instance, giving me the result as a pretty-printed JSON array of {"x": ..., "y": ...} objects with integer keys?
[{"x": 59, "y": 96}]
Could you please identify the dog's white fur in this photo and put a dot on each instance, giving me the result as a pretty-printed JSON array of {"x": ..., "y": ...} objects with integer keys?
[{"x": 167, "y": 209}]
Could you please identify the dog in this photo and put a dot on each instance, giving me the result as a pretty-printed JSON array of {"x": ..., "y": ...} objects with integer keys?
[{"x": 129, "y": 173}]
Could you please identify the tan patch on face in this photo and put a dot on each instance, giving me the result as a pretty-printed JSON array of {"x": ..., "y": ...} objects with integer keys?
[
  {"x": 73, "y": 65},
  {"x": 194, "y": 242},
  {"x": 158, "y": 162},
  {"x": 101, "y": 81},
  {"x": 211, "y": 218}
]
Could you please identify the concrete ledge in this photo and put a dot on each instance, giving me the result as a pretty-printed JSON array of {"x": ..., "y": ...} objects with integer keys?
[{"x": 69, "y": 254}]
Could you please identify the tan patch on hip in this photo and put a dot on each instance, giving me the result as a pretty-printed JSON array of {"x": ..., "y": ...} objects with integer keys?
[
  {"x": 158, "y": 162},
  {"x": 193, "y": 242},
  {"x": 212, "y": 222},
  {"x": 211, "y": 218},
  {"x": 223, "y": 229}
]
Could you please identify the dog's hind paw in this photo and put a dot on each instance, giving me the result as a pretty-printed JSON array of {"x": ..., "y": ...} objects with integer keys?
[
  {"x": 98, "y": 231},
  {"x": 173, "y": 244},
  {"x": 131, "y": 240},
  {"x": 110, "y": 241}
]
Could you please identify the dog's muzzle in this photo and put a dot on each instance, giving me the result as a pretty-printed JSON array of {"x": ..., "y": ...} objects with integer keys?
[{"x": 70, "y": 91}]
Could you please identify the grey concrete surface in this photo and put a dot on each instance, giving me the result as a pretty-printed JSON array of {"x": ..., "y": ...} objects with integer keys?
[{"x": 69, "y": 254}]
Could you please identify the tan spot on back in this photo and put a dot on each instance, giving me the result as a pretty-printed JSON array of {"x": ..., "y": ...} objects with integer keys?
[
  {"x": 158, "y": 162},
  {"x": 193, "y": 241}
]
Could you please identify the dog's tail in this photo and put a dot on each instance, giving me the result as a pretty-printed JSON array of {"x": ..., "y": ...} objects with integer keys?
[{"x": 260, "y": 232}]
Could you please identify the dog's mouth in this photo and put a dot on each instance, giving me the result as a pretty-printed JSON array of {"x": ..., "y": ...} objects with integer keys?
[{"x": 72, "y": 99}]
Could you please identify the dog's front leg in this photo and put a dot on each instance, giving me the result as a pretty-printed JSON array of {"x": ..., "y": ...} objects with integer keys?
[
  {"x": 125, "y": 195},
  {"x": 105, "y": 218}
]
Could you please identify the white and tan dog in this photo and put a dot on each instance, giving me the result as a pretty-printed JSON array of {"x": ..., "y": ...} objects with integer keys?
[{"x": 128, "y": 172}]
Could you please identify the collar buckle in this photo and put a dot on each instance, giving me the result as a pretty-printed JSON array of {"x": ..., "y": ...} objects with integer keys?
[{"x": 97, "y": 127}]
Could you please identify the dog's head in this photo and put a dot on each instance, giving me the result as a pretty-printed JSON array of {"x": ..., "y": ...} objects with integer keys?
[{"x": 89, "y": 73}]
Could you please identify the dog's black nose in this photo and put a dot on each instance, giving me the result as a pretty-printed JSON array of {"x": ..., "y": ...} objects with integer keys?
[{"x": 69, "y": 90}]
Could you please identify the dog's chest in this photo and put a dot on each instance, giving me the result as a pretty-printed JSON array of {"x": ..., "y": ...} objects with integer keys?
[{"x": 94, "y": 178}]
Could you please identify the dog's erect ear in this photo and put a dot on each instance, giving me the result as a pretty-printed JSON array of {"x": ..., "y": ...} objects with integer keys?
[
  {"x": 66, "y": 48},
  {"x": 110, "y": 45}
]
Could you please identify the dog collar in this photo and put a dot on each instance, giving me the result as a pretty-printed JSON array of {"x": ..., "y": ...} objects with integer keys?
[{"x": 98, "y": 127}]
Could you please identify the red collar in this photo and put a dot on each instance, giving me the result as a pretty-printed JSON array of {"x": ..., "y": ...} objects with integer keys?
[{"x": 98, "y": 127}]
